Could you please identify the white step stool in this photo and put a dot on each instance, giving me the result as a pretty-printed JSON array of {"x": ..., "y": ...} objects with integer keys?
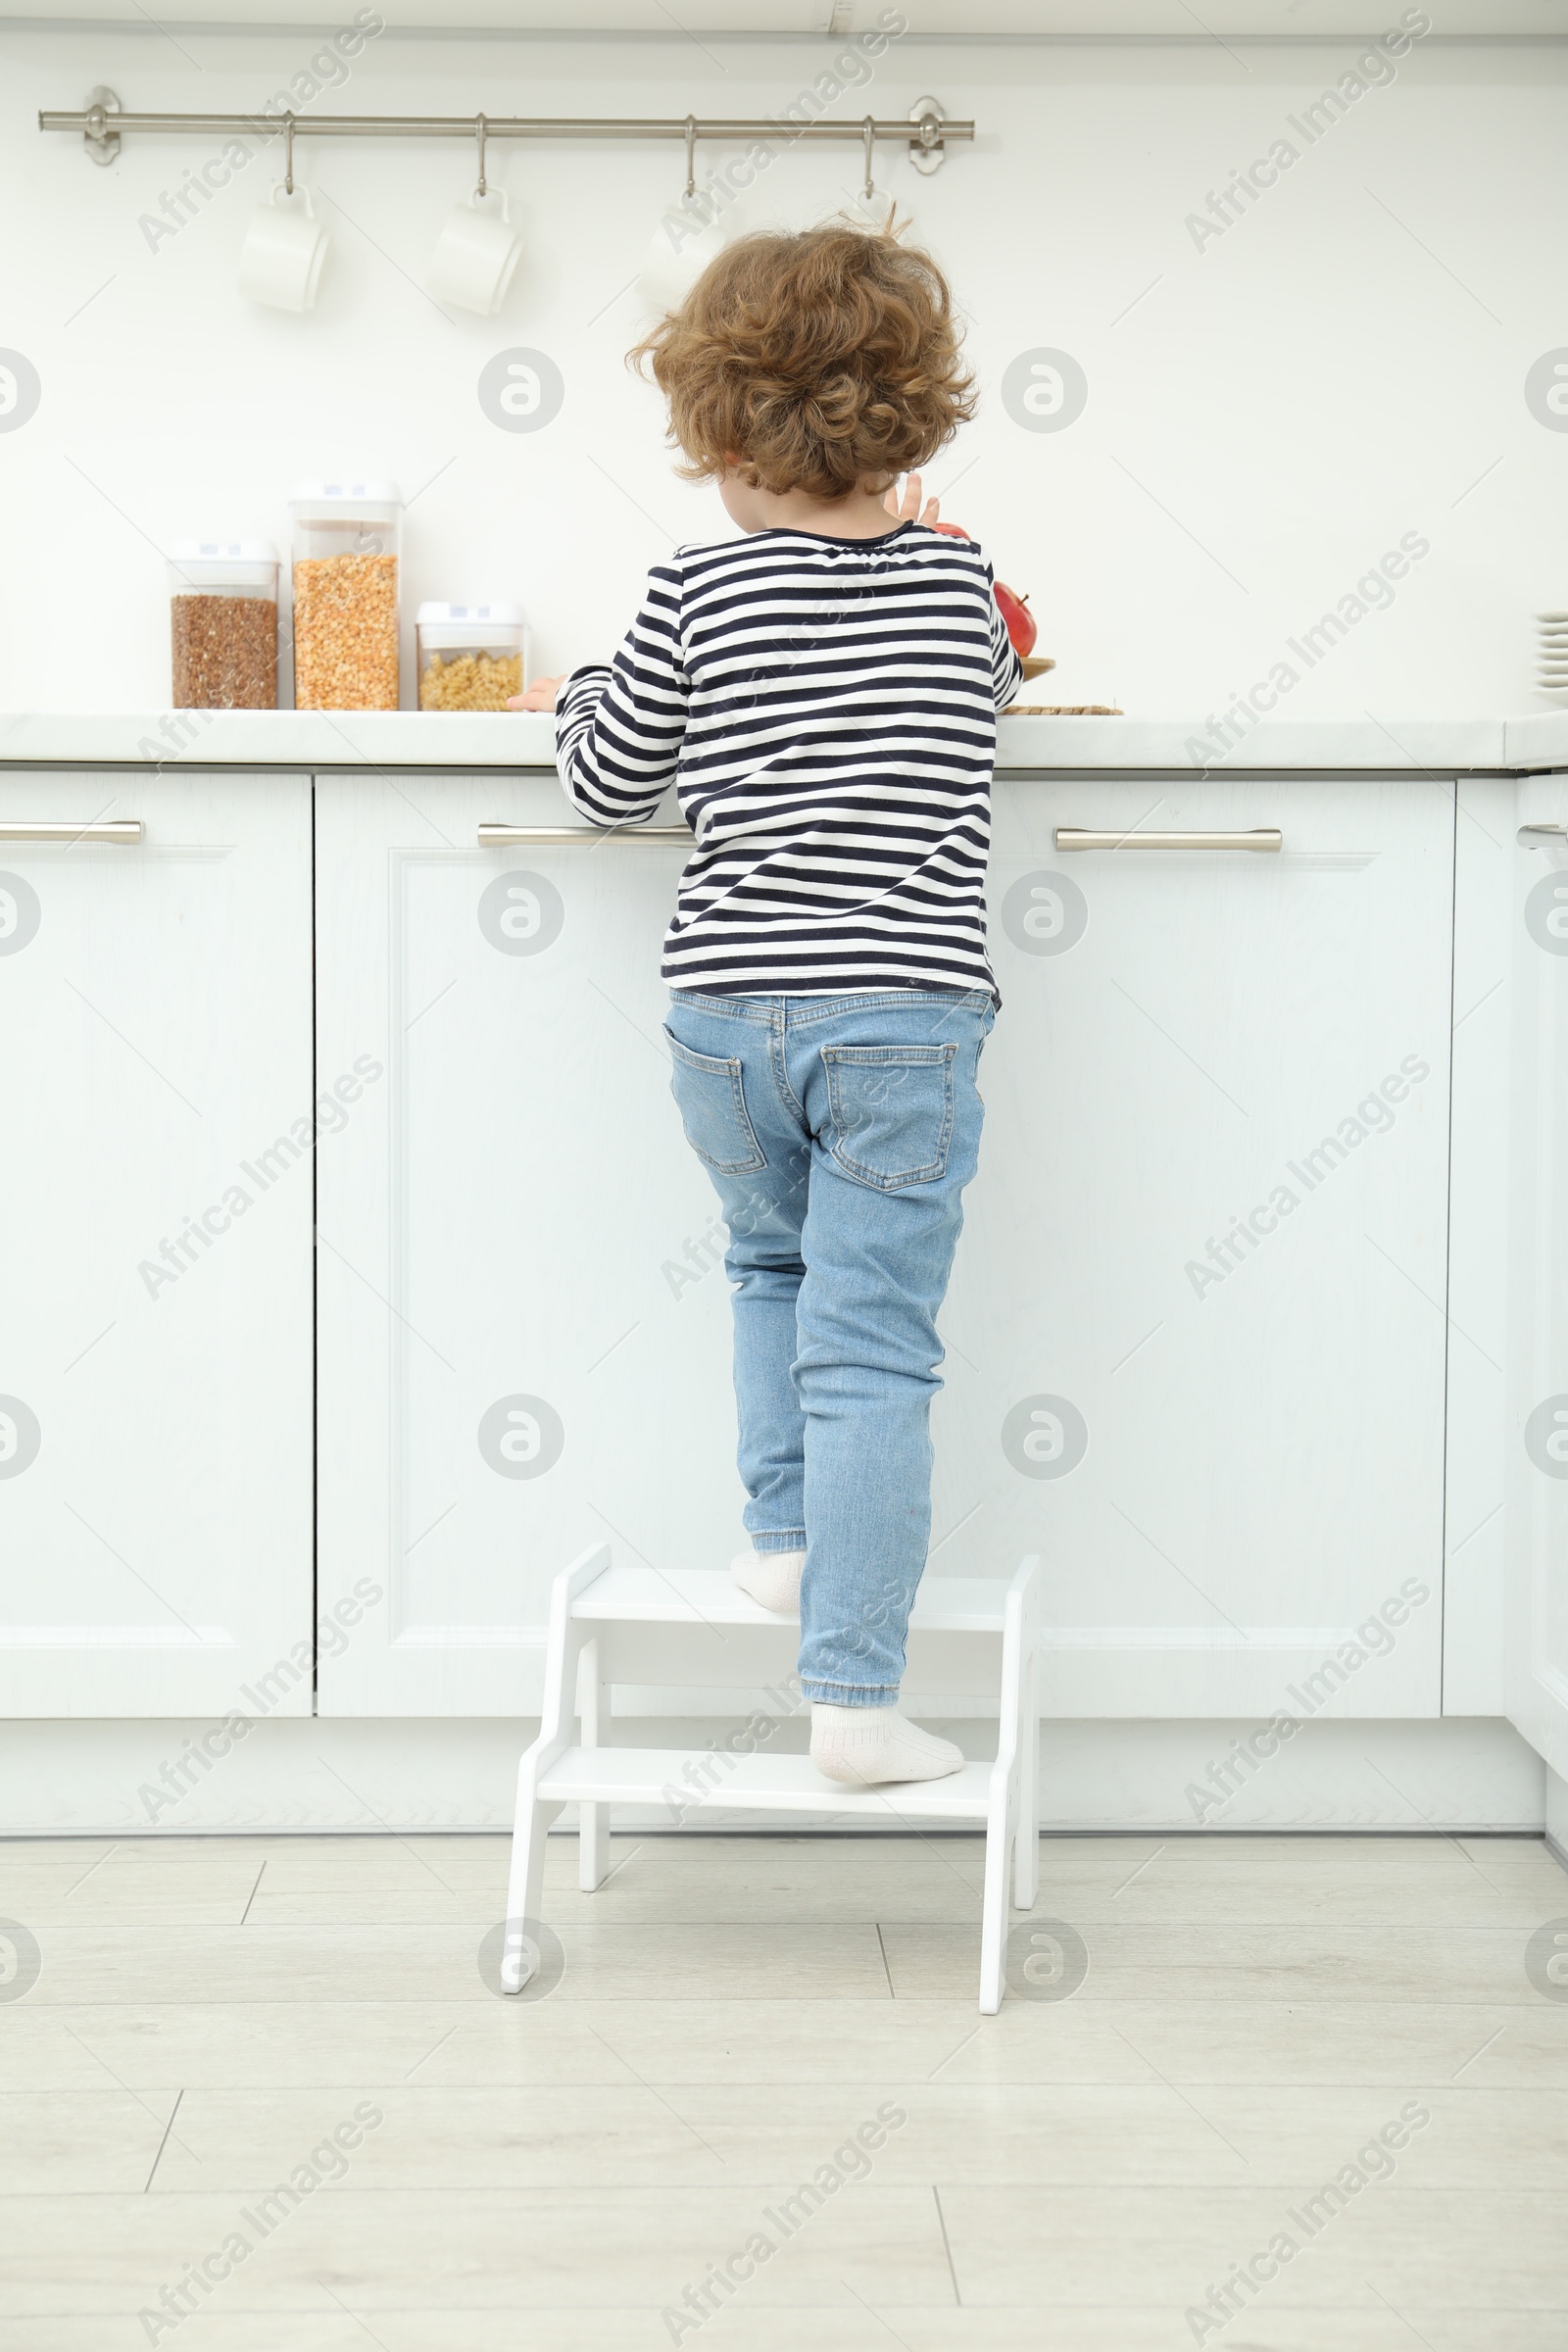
[{"x": 967, "y": 1637}]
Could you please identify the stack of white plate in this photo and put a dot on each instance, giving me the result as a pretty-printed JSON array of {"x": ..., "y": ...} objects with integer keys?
[{"x": 1551, "y": 653}]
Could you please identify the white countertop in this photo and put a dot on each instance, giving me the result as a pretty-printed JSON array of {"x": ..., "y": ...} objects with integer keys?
[{"x": 413, "y": 739}]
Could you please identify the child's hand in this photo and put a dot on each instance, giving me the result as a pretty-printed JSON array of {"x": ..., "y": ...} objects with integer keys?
[
  {"x": 907, "y": 510},
  {"x": 540, "y": 695}
]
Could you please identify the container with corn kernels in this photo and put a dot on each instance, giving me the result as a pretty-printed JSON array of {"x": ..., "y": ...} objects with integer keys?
[
  {"x": 346, "y": 537},
  {"x": 471, "y": 657}
]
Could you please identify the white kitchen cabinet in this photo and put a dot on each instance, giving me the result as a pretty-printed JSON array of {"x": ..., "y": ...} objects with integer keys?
[
  {"x": 1231, "y": 1456},
  {"x": 155, "y": 1202},
  {"x": 1488, "y": 1074},
  {"x": 1228, "y": 1467},
  {"x": 1536, "y": 1415}
]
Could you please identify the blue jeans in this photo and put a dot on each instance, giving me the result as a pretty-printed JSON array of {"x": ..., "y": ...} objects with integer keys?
[{"x": 840, "y": 1133}]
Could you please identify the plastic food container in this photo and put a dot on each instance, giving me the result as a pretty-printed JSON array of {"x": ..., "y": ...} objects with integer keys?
[
  {"x": 471, "y": 657},
  {"x": 222, "y": 608},
  {"x": 346, "y": 542}
]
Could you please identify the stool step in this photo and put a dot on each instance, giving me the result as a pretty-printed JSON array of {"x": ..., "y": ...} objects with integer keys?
[
  {"x": 613, "y": 1625},
  {"x": 945, "y": 1604},
  {"x": 699, "y": 1778}
]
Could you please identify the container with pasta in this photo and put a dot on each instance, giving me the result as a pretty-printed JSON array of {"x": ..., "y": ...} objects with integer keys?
[{"x": 471, "y": 657}]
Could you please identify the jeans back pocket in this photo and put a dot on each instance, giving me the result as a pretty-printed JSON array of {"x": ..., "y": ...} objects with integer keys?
[
  {"x": 713, "y": 1110},
  {"x": 892, "y": 1112}
]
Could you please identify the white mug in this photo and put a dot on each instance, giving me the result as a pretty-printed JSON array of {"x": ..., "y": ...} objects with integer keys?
[
  {"x": 280, "y": 261},
  {"x": 476, "y": 255},
  {"x": 872, "y": 208},
  {"x": 690, "y": 236}
]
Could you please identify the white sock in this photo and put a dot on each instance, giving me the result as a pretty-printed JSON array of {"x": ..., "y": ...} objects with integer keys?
[
  {"x": 872, "y": 1745},
  {"x": 772, "y": 1577}
]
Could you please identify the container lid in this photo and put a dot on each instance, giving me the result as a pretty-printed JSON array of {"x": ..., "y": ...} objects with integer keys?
[
  {"x": 246, "y": 562},
  {"x": 347, "y": 490},
  {"x": 507, "y": 615},
  {"x": 247, "y": 551}
]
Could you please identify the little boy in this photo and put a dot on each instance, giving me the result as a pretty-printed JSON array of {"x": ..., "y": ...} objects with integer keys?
[{"x": 822, "y": 690}]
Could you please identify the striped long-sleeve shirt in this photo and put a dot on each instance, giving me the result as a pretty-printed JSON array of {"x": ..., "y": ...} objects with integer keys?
[{"x": 826, "y": 709}]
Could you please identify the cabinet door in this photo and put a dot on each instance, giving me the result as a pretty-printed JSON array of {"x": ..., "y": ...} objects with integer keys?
[
  {"x": 1536, "y": 1521},
  {"x": 1196, "y": 1327},
  {"x": 154, "y": 1202},
  {"x": 1492, "y": 873},
  {"x": 523, "y": 1334}
]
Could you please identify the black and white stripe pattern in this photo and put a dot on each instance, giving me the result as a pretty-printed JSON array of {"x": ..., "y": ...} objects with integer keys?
[{"x": 826, "y": 709}]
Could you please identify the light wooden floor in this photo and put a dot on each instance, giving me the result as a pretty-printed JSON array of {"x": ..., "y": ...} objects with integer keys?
[{"x": 555, "y": 2174}]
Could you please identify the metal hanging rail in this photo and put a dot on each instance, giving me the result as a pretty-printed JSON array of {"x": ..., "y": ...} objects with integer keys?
[{"x": 101, "y": 124}]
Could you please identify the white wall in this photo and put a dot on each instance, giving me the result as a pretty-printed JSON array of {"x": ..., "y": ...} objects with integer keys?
[{"x": 1340, "y": 367}]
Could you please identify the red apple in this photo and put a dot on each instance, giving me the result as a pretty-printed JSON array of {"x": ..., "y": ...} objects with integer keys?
[
  {"x": 1019, "y": 619},
  {"x": 953, "y": 530}
]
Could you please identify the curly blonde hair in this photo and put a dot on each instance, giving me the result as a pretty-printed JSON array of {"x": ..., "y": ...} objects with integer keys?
[{"x": 812, "y": 362}]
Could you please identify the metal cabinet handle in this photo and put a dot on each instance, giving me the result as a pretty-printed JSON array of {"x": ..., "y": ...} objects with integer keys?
[
  {"x": 107, "y": 828},
  {"x": 1261, "y": 837},
  {"x": 496, "y": 836}
]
